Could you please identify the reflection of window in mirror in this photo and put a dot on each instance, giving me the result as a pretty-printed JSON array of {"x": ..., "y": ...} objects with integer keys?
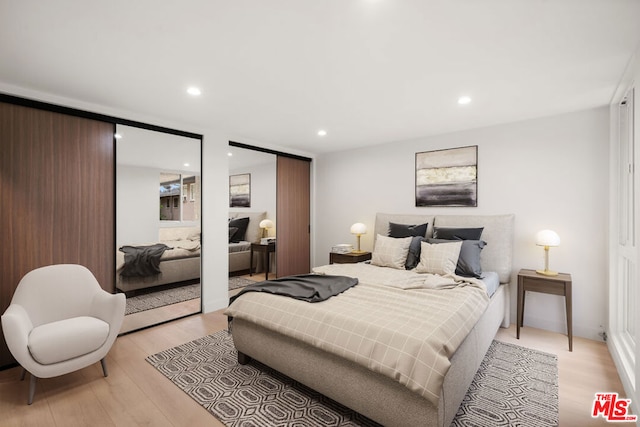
[{"x": 175, "y": 187}]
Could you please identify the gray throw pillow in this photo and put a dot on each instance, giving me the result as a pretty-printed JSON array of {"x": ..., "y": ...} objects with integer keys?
[
  {"x": 413, "y": 257},
  {"x": 241, "y": 224},
  {"x": 407, "y": 230},
  {"x": 418, "y": 232},
  {"x": 469, "y": 258},
  {"x": 232, "y": 232},
  {"x": 453, "y": 233}
]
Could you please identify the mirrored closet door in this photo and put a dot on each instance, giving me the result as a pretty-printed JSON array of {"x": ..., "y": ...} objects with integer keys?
[
  {"x": 269, "y": 199},
  {"x": 158, "y": 225},
  {"x": 252, "y": 216}
]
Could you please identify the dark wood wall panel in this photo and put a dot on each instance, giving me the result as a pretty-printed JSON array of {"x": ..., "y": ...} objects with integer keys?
[
  {"x": 57, "y": 193},
  {"x": 294, "y": 216}
]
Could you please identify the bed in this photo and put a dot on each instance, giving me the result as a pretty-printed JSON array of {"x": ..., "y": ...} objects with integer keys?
[
  {"x": 389, "y": 398},
  {"x": 179, "y": 263},
  {"x": 240, "y": 247}
]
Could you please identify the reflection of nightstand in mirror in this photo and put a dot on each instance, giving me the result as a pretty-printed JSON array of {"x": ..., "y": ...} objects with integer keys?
[
  {"x": 529, "y": 280},
  {"x": 266, "y": 250},
  {"x": 349, "y": 258}
]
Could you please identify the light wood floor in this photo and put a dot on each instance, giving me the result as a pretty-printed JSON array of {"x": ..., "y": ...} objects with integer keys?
[
  {"x": 144, "y": 319},
  {"x": 135, "y": 394},
  {"x": 582, "y": 373}
]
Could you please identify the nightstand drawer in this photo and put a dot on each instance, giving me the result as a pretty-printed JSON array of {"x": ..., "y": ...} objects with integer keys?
[{"x": 543, "y": 285}]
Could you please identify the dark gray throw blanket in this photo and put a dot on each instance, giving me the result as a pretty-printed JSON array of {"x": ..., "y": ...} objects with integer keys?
[
  {"x": 140, "y": 261},
  {"x": 305, "y": 287}
]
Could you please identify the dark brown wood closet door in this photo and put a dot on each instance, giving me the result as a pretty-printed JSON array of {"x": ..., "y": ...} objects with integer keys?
[
  {"x": 293, "y": 213},
  {"x": 57, "y": 196}
]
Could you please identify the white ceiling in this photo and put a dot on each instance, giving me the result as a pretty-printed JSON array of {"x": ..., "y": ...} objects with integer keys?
[
  {"x": 141, "y": 147},
  {"x": 367, "y": 71}
]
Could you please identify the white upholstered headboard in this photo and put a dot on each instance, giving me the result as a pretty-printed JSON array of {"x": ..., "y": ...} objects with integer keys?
[{"x": 498, "y": 233}]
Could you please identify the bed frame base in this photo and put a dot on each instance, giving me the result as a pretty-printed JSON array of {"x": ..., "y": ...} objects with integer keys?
[
  {"x": 243, "y": 359},
  {"x": 373, "y": 395}
]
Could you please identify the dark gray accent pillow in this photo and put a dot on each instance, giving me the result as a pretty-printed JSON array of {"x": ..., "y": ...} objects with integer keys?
[
  {"x": 418, "y": 232},
  {"x": 469, "y": 258},
  {"x": 406, "y": 230},
  {"x": 241, "y": 224},
  {"x": 452, "y": 233},
  {"x": 413, "y": 257},
  {"x": 232, "y": 232}
]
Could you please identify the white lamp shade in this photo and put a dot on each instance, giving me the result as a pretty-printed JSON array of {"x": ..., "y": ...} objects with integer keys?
[
  {"x": 266, "y": 223},
  {"x": 358, "y": 228},
  {"x": 547, "y": 238}
]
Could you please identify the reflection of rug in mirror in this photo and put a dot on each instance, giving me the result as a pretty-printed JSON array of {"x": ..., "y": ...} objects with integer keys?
[
  {"x": 239, "y": 282},
  {"x": 513, "y": 386},
  {"x": 162, "y": 298}
]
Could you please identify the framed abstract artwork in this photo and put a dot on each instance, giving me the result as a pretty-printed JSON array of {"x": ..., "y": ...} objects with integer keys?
[
  {"x": 447, "y": 177},
  {"x": 240, "y": 191}
]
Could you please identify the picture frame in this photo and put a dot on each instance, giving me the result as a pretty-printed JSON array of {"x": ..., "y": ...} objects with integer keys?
[
  {"x": 240, "y": 191},
  {"x": 447, "y": 177}
]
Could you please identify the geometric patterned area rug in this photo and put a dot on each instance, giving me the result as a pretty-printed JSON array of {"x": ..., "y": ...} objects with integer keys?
[
  {"x": 239, "y": 282},
  {"x": 161, "y": 298},
  {"x": 174, "y": 295},
  {"x": 514, "y": 386}
]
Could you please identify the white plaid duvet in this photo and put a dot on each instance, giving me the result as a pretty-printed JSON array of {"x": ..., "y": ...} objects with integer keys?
[{"x": 399, "y": 323}]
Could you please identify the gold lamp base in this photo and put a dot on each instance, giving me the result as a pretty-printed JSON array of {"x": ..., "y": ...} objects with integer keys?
[
  {"x": 358, "y": 251},
  {"x": 547, "y": 272}
]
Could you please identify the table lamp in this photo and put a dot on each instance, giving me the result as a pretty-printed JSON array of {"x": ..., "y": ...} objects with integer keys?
[
  {"x": 265, "y": 225},
  {"x": 358, "y": 229},
  {"x": 547, "y": 238}
]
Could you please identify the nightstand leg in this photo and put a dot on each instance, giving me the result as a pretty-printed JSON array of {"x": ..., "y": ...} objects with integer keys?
[
  {"x": 524, "y": 297},
  {"x": 520, "y": 309},
  {"x": 251, "y": 261},
  {"x": 567, "y": 298}
]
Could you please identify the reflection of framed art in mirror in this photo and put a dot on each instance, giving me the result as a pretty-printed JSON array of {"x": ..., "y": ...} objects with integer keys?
[{"x": 240, "y": 191}]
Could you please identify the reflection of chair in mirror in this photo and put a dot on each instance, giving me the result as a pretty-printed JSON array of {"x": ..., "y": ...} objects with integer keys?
[{"x": 60, "y": 321}]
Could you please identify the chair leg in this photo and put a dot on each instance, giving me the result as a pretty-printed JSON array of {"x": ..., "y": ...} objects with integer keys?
[
  {"x": 103, "y": 362},
  {"x": 24, "y": 372},
  {"x": 32, "y": 388}
]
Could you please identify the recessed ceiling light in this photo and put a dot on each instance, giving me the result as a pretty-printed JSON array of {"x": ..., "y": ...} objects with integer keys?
[
  {"x": 463, "y": 100},
  {"x": 229, "y": 154},
  {"x": 194, "y": 91},
  {"x": 117, "y": 136},
  {"x": 186, "y": 164},
  {"x": 322, "y": 132}
]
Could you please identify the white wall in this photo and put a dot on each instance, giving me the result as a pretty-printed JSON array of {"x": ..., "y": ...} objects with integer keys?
[{"x": 550, "y": 172}]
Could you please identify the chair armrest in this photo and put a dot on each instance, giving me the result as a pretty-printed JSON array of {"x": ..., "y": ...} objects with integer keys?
[
  {"x": 108, "y": 307},
  {"x": 16, "y": 326}
]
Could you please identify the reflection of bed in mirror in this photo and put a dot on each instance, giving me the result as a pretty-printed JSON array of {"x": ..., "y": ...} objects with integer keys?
[
  {"x": 240, "y": 242},
  {"x": 158, "y": 201},
  {"x": 389, "y": 390},
  {"x": 179, "y": 263}
]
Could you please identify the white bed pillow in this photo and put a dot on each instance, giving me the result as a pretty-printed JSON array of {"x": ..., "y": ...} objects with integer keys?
[
  {"x": 438, "y": 258},
  {"x": 390, "y": 251}
]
